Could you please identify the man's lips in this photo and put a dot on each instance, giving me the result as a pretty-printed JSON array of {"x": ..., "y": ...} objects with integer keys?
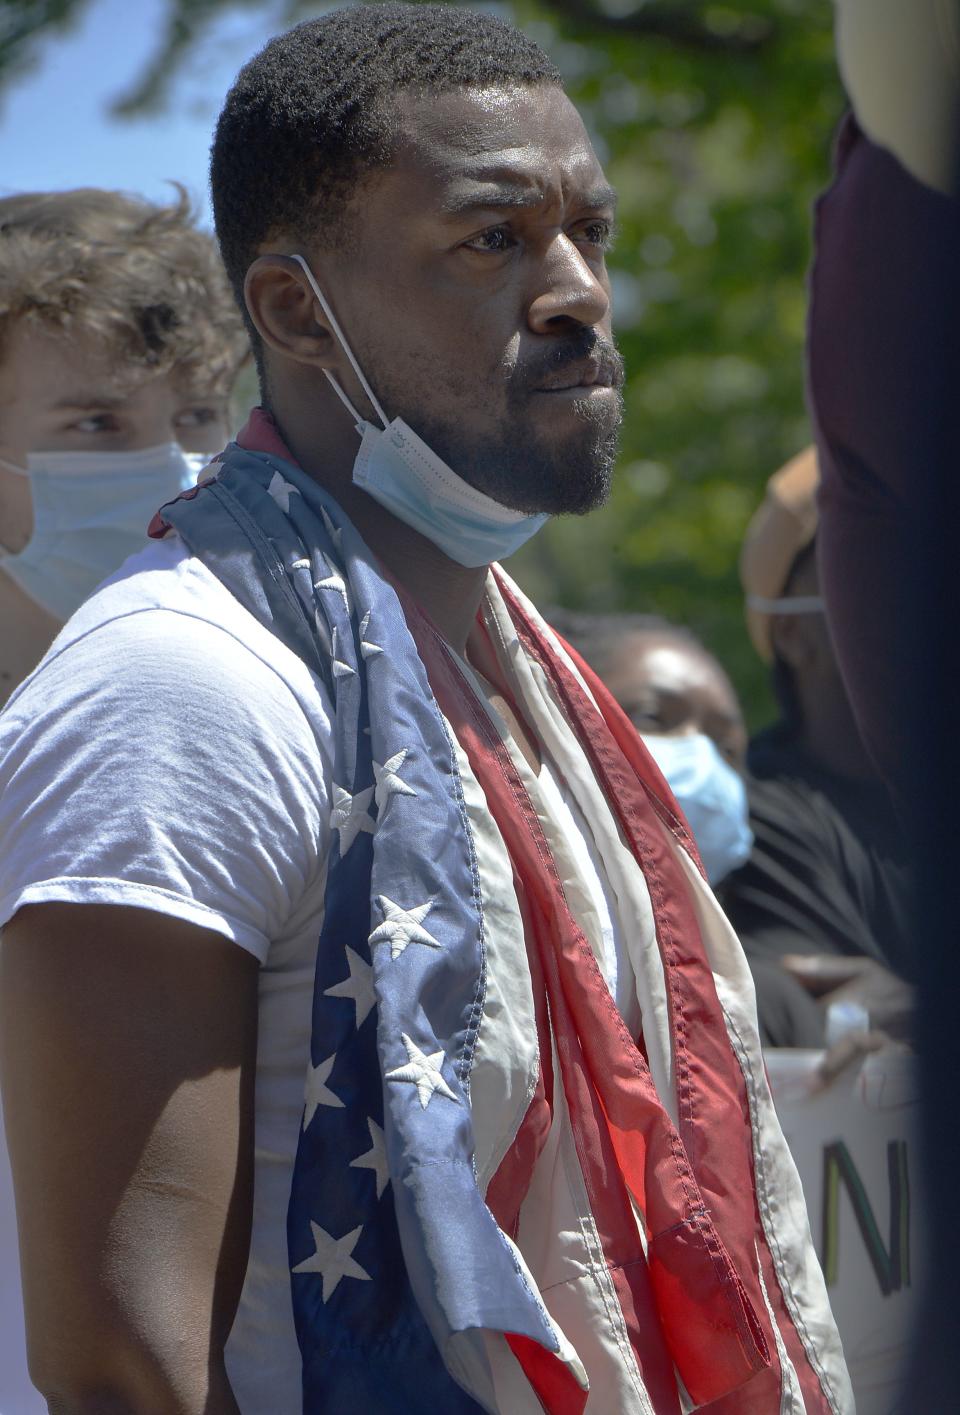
[{"x": 588, "y": 373}]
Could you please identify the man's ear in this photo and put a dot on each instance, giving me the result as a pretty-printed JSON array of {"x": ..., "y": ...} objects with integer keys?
[{"x": 286, "y": 312}]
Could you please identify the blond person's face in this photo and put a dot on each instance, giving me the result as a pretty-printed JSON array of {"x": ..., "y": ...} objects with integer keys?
[{"x": 69, "y": 396}]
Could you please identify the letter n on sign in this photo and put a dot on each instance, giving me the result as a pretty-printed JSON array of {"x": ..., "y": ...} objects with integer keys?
[{"x": 891, "y": 1264}]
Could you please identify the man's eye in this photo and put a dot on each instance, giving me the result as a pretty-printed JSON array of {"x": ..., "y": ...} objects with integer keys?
[
  {"x": 198, "y": 417},
  {"x": 492, "y": 242},
  {"x": 97, "y": 422},
  {"x": 598, "y": 233},
  {"x": 647, "y": 720}
]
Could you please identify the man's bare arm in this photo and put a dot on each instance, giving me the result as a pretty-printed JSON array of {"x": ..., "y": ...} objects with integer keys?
[
  {"x": 127, "y": 1053},
  {"x": 900, "y": 61}
]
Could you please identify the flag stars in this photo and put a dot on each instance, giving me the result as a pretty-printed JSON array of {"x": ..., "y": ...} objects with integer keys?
[
  {"x": 358, "y": 987},
  {"x": 340, "y": 669},
  {"x": 424, "y": 1072},
  {"x": 332, "y": 1259},
  {"x": 401, "y": 927},
  {"x": 318, "y": 1092},
  {"x": 389, "y": 781},
  {"x": 281, "y": 491},
  {"x": 375, "y": 1158},
  {"x": 336, "y": 584},
  {"x": 351, "y": 815},
  {"x": 367, "y": 647}
]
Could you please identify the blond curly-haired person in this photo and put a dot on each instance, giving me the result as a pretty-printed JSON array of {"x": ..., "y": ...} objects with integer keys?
[{"x": 119, "y": 345}]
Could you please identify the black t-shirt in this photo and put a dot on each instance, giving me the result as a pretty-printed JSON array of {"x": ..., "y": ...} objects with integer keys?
[{"x": 827, "y": 874}]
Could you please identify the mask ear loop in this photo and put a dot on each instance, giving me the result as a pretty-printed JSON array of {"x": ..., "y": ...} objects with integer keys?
[{"x": 346, "y": 349}]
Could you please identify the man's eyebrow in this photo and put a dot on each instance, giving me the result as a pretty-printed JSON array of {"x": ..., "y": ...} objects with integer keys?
[{"x": 511, "y": 196}]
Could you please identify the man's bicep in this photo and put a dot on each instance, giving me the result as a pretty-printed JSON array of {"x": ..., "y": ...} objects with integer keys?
[{"x": 128, "y": 1046}]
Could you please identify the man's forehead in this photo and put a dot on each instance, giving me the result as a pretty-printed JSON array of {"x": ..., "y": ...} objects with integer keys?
[
  {"x": 56, "y": 374},
  {"x": 672, "y": 664},
  {"x": 498, "y": 136}
]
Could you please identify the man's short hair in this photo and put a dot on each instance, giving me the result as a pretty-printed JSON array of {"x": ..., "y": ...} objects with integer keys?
[
  {"x": 311, "y": 114},
  {"x": 138, "y": 277}
]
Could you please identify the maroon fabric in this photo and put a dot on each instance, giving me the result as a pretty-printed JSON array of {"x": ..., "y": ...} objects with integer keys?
[
  {"x": 261, "y": 434},
  {"x": 884, "y": 382},
  {"x": 884, "y": 362}
]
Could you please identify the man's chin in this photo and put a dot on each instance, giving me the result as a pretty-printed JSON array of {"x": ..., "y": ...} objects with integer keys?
[
  {"x": 563, "y": 468},
  {"x": 581, "y": 496},
  {"x": 575, "y": 478},
  {"x": 566, "y": 489}
]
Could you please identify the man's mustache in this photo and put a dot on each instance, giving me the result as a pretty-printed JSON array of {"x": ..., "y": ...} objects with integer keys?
[{"x": 568, "y": 354}]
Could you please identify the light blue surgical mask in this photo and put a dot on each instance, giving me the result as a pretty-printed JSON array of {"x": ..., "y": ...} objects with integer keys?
[
  {"x": 398, "y": 469},
  {"x": 711, "y": 795},
  {"x": 90, "y": 512}
]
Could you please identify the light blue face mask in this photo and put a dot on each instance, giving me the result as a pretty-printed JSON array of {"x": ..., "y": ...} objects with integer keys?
[
  {"x": 398, "y": 469},
  {"x": 711, "y": 795},
  {"x": 90, "y": 512}
]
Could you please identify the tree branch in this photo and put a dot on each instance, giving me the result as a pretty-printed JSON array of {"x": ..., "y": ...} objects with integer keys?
[
  {"x": 680, "y": 24},
  {"x": 24, "y": 22}
]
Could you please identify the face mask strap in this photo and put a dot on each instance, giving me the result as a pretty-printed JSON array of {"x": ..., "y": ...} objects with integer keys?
[
  {"x": 12, "y": 467},
  {"x": 344, "y": 399},
  {"x": 346, "y": 349}
]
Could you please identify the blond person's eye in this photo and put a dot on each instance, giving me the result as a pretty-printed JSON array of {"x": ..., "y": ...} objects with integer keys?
[
  {"x": 96, "y": 423},
  {"x": 198, "y": 417}
]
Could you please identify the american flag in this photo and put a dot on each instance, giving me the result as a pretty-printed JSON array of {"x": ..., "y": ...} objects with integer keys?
[{"x": 394, "y": 1249}]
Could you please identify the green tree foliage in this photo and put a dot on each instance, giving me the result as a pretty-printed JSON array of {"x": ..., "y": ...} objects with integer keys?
[
  {"x": 718, "y": 153},
  {"x": 714, "y": 121}
]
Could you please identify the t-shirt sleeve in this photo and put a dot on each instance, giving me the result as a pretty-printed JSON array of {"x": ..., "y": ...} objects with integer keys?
[{"x": 158, "y": 762}]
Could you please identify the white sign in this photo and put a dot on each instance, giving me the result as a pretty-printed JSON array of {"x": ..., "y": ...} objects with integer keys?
[{"x": 857, "y": 1149}]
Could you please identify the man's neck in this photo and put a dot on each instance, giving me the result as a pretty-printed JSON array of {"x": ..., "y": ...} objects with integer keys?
[{"x": 324, "y": 443}]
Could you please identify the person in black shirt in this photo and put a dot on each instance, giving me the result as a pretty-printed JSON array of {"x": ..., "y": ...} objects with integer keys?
[{"x": 821, "y": 906}]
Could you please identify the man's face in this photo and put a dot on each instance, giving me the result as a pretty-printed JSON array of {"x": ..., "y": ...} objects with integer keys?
[
  {"x": 476, "y": 295},
  {"x": 668, "y": 686},
  {"x": 60, "y": 396}
]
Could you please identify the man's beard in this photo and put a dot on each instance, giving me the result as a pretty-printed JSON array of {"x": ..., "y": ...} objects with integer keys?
[{"x": 520, "y": 468}]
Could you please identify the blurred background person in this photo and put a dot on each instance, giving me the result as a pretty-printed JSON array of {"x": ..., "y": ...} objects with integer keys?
[
  {"x": 822, "y": 905},
  {"x": 684, "y": 706},
  {"x": 119, "y": 345},
  {"x": 884, "y": 366}
]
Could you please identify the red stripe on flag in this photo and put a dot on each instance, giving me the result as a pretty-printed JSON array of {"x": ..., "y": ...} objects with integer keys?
[
  {"x": 712, "y": 1099},
  {"x": 711, "y": 1332},
  {"x": 603, "y": 1174},
  {"x": 552, "y": 1380}
]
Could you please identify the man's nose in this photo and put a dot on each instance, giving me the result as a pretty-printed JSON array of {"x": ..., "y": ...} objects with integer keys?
[{"x": 570, "y": 292}]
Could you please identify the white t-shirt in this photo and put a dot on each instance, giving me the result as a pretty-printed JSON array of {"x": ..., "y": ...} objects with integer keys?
[{"x": 220, "y": 816}]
